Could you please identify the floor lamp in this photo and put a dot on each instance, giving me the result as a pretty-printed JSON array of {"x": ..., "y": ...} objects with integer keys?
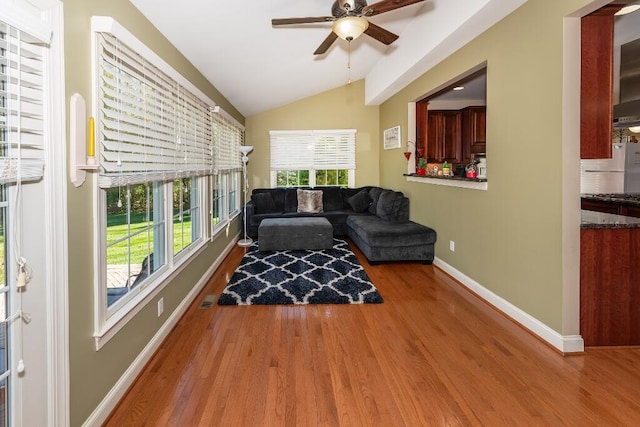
[{"x": 245, "y": 149}]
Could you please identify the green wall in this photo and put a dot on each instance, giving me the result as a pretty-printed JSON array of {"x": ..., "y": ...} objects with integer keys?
[
  {"x": 508, "y": 238},
  {"x": 93, "y": 373},
  {"x": 341, "y": 108}
]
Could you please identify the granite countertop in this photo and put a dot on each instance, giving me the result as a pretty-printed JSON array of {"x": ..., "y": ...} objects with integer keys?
[
  {"x": 449, "y": 178},
  {"x": 592, "y": 219},
  {"x": 617, "y": 199}
]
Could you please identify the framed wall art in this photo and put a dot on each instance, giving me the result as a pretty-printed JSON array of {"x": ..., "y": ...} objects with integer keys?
[{"x": 392, "y": 138}]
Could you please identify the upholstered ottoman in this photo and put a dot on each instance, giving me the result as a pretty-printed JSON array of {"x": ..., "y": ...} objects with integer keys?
[{"x": 283, "y": 234}]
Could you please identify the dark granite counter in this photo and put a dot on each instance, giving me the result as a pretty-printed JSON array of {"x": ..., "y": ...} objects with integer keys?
[{"x": 592, "y": 219}]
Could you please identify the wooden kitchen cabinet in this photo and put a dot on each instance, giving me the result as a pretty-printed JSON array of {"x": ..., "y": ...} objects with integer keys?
[
  {"x": 421, "y": 125},
  {"x": 474, "y": 139},
  {"x": 609, "y": 207},
  {"x": 598, "y": 206},
  {"x": 596, "y": 83},
  {"x": 610, "y": 286},
  {"x": 633, "y": 211},
  {"x": 444, "y": 136}
]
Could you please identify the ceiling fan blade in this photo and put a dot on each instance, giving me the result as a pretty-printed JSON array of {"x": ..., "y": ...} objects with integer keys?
[
  {"x": 380, "y": 34},
  {"x": 386, "y": 6},
  {"x": 326, "y": 44},
  {"x": 308, "y": 20}
]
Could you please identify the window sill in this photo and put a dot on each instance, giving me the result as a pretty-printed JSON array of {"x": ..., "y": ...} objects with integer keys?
[
  {"x": 145, "y": 294},
  {"x": 473, "y": 184}
]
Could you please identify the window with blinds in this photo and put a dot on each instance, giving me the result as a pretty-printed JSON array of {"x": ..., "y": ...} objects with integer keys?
[
  {"x": 313, "y": 149},
  {"x": 21, "y": 106},
  {"x": 313, "y": 157},
  {"x": 227, "y": 139},
  {"x": 150, "y": 127}
]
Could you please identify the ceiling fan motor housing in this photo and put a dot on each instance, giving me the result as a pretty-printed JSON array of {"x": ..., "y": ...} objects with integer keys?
[{"x": 347, "y": 7}]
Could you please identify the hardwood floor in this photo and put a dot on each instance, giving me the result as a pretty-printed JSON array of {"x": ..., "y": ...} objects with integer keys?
[{"x": 432, "y": 354}]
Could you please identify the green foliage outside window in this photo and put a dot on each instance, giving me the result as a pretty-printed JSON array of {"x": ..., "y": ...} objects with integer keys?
[{"x": 300, "y": 178}]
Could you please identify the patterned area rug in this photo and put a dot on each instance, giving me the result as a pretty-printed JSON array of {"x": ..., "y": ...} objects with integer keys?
[{"x": 330, "y": 276}]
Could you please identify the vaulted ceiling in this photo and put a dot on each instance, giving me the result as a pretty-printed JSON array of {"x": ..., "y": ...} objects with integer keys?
[{"x": 258, "y": 67}]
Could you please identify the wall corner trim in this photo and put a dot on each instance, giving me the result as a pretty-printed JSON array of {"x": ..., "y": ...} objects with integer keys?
[{"x": 563, "y": 343}]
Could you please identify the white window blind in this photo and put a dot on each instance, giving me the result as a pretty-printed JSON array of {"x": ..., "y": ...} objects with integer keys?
[
  {"x": 150, "y": 127},
  {"x": 21, "y": 105},
  {"x": 227, "y": 139},
  {"x": 313, "y": 149}
]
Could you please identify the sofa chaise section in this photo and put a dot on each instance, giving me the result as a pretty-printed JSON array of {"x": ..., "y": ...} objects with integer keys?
[{"x": 381, "y": 240}]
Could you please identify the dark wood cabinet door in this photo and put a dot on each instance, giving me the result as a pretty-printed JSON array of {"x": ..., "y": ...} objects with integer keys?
[
  {"x": 473, "y": 132},
  {"x": 598, "y": 206},
  {"x": 466, "y": 135},
  {"x": 633, "y": 211},
  {"x": 433, "y": 153},
  {"x": 421, "y": 125},
  {"x": 478, "y": 129},
  {"x": 451, "y": 136},
  {"x": 596, "y": 84}
]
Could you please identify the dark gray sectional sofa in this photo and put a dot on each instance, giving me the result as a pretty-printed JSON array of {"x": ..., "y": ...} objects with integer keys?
[{"x": 376, "y": 219}]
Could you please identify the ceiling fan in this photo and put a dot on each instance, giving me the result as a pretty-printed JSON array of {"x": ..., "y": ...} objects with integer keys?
[{"x": 349, "y": 19}]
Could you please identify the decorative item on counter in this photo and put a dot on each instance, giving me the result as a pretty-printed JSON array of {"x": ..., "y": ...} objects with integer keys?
[
  {"x": 482, "y": 168},
  {"x": 445, "y": 168},
  {"x": 471, "y": 170},
  {"x": 422, "y": 166}
]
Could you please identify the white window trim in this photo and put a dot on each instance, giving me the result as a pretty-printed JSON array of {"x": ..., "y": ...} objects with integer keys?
[
  {"x": 351, "y": 178},
  {"x": 114, "y": 319},
  {"x": 106, "y": 24},
  {"x": 23, "y": 15},
  {"x": 56, "y": 237},
  {"x": 310, "y": 163},
  {"x": 218, "y": 228},
  {"x": 107, "y": 323}
]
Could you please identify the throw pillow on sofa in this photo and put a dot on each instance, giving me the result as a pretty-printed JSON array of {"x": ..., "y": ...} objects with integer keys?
[
  {"x": 360, "y": 202},
  {"x": 389, "y": 205},
  {"x": 331, "y": 199},
  {"x": 291, "y": 200},
  {"x": 264, "y": 203},
  {"x": 374, "y": 192},
  {"x": 309, "y": 201}
]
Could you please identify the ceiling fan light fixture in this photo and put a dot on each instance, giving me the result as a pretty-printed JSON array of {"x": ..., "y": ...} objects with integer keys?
[
  {"x": 627, "y": 10},
  {"x": 350, "y": 27}
]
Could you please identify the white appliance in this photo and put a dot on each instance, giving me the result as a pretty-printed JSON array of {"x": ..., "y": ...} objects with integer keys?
[{"x": 620, "y": 174}]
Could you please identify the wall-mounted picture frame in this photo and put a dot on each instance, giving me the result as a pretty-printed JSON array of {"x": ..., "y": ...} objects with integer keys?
[{"x": 392, "y": 138}]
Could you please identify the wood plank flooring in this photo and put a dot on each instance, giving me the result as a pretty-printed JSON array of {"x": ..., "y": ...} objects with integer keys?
[{"x": 432, "y": 354}]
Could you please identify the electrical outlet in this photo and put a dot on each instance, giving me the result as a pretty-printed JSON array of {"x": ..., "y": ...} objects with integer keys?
[
  {"x": 452, "y": 246},
  {"x": 160, "y": 306}
]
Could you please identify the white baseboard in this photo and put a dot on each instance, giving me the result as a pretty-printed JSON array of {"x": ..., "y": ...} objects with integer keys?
[
  {"x": 564, "y": 343},
  {"x": 103, "y": 410}
]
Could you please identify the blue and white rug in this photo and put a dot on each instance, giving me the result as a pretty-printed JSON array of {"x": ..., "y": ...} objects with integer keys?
[{"x": 330, "y": 276}]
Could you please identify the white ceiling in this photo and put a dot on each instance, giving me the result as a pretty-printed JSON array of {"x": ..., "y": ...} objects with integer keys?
[{"x": 258, "y": 67}]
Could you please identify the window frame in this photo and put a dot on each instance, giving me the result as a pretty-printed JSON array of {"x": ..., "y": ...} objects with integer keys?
[
  {"x": 109, "y": 320},
  {"x": 229, "y": 211},
  {"x": 314, "y": 156}
]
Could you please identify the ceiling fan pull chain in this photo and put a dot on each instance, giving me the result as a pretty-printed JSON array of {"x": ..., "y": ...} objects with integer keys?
[{"x": 348, "y": 62}]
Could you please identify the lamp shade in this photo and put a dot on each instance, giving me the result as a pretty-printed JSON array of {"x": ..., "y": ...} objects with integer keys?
[
  {"x": 350, "y": 27},
  {"x": 246, "y": 149}
]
